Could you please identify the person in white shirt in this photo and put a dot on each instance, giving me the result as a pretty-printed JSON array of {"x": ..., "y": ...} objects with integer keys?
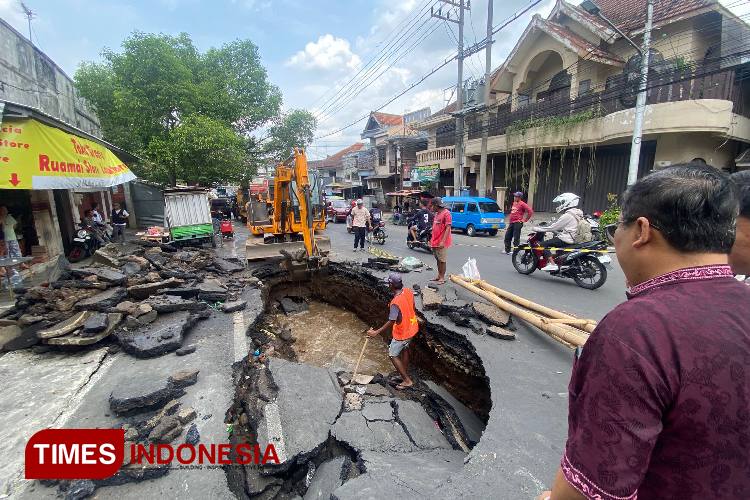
[
  {"x": 95, "y": 215},
  {"x": 13, "y": 250},
  {"x": 360, "y": 221}
]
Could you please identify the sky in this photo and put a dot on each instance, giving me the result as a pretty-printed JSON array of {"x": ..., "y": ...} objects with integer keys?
[{"x": 310, "y": 48}]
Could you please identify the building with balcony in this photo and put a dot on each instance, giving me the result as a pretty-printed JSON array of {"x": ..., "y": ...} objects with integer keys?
[
  {"x": 393, "y": 145},
  {"x": 562, "y": 104}
]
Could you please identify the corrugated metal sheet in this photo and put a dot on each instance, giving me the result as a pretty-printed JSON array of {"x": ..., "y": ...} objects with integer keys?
[
  {"x": 187, "y": 208},
  {"x": 608, "y": 175},
  {"x": 148, "y": 204}
]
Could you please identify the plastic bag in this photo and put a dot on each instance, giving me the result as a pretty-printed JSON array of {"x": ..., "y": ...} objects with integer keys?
[
  {"x": 470, "y": 269},
  {"x": 411, "y": 263}
]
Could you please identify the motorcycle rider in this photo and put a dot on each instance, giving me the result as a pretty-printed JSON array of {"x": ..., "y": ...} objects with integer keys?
[
  {"x": 376, "y": 215},
  {"x": 421, "y": 220},
  {"x": 565, "y": 228}
]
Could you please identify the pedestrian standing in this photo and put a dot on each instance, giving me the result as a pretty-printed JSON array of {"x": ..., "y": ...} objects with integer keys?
[
  {"x": 119, "y": 221},
  {"x": 658, "y": 398},
  {"x": 402, "y": 319},
  {"x": 95, "y": 215},
  {"x": 520, "y": 213},
  {"x": 441, "y": 237},
  {"x": 360, "y": 220},
  {"x": 740, "y": 256},
  {"x": 13, "y": 251}
]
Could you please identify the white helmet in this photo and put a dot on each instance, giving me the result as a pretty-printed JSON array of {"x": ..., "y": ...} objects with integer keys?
[{"x": 565, "y": 201}]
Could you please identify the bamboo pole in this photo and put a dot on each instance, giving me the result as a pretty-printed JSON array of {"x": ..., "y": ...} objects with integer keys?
[
  {"x": 566, "y": 335},
  {"x": 588, "y": 326}
]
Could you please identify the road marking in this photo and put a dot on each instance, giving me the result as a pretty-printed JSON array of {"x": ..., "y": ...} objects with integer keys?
[
  {"x": 274, "y": 430},
  {"x": 240, "y": 339},
  {"x": 525, "y": 472}
]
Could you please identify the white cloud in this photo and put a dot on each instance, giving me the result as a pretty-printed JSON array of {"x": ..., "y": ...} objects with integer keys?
[{"x": 328, "y": 53}]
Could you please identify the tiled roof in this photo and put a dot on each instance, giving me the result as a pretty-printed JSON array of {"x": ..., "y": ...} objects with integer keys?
[
  {"x": 630, "y": 15},
  {"x": 594, "y": 23},
  {"x": 388, "y": 119},
  {"x": 582, "y": 46},
  {"x": 335, "y": 159},
  {"x": 450, "y": 108}
]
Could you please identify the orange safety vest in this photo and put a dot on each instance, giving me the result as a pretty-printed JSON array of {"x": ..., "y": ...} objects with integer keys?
[{"x": 408, "y": 327}]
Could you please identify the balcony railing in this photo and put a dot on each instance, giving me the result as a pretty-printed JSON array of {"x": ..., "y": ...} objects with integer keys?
[
  {"x": 700, "y": 82},
  {"x": 447, "y": 153}
]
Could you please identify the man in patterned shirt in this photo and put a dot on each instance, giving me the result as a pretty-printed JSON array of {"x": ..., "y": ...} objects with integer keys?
[{"x": 659, "y": 398}]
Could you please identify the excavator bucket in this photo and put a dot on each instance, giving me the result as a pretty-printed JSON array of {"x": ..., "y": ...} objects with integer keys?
[{"x": 256, "y": 249}]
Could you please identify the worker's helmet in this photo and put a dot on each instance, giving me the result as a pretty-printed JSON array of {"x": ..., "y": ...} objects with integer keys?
[
  {"x": 360, "y": 202},
  {"x": 565, "y": 201}
]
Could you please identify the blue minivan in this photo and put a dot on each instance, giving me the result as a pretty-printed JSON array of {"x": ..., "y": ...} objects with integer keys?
[{"x": 474, "y": 214}]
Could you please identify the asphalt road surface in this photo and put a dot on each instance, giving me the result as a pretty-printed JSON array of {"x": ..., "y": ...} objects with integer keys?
[{"x": 496, "y": 268}]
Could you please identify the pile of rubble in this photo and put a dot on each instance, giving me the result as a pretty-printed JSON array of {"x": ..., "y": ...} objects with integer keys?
[
  {"x": 152, "y": 414},
  {"x": 480, "y": 317},
  {"x": 145, "y": 295}
]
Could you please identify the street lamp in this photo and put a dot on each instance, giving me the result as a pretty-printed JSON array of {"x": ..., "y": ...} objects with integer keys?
[{"x": 594, "y": 10}]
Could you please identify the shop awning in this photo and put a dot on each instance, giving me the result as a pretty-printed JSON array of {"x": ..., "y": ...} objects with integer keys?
[
  {"x": 38, "y": 156},
  {"x": 405, "y": 192}
]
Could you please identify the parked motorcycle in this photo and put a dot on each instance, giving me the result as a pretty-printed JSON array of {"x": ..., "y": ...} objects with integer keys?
[
  {"x": 423, "y": 239},
  {"x": 585, "y": 268},
  {"x": 376, "y": 233},
  {"x": 84, "y": 244}
]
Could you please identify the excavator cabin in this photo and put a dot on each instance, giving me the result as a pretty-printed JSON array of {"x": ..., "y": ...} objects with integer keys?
[{"x": 293, "y": 216}]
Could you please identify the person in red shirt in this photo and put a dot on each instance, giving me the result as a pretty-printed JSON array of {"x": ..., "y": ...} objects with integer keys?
[
  {"x": 402, "y": 319},
  {"x": 441, "y": 237},
  {"x": 520, "y": 213}
]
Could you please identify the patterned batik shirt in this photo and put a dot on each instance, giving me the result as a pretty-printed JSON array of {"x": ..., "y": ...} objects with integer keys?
[{"x": 659, "y": 400}]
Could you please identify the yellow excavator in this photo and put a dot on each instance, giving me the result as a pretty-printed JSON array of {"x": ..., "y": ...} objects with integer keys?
[{"x": 297, "y": 212}]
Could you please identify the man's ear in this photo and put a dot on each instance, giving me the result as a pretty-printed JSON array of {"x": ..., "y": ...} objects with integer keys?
[{"x": 644, "y": 232}]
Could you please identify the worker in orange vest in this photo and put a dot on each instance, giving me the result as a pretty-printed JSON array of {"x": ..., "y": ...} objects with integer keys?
[{"x": 402, "y": 319}]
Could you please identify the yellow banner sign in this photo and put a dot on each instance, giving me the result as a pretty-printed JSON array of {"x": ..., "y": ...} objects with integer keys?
[{"x": 37, "y": 156}]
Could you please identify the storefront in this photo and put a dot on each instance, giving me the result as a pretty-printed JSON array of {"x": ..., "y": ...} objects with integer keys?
[{"x": 50, "y": 173}]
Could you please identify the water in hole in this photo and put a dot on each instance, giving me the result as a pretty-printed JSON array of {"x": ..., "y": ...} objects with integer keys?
[{"x": 328, "y": 336}]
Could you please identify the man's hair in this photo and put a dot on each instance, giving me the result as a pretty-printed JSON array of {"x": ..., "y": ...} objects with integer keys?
[
  {"x": 425, "y": 202},
  {"x": 742, "y": 179},
  {"x": 693, "y": 205}
]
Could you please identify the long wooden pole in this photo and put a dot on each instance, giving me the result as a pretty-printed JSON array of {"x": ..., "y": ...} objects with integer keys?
[
  {"x": 585, "y": 324},
  {"x": 566, "y": 334},
  {"x": 359, "y": 360}
]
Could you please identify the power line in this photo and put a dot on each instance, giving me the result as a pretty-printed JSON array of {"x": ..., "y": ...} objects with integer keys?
[
  {"x": 373, "y": 77},
  {"x": 355, "y": 92},
  {"x": 375, "y": 62}
]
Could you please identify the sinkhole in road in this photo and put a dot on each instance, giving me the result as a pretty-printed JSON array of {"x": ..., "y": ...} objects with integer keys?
[{"x": 320, "y": 321}]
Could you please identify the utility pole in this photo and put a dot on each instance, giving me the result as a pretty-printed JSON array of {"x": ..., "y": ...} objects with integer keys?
[
  {"x": 486, "y": 115},
  {"x": 458, "y": 169},
  {"x": 640, "y": 104}
]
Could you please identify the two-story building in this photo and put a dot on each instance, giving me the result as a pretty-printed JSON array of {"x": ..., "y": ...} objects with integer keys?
[
  {"x": 562, "y": 104},
  {"x": 393, "y": 145}
]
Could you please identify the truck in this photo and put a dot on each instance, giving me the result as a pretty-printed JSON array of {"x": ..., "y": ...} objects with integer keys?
[{"x": 187, "y": 216}]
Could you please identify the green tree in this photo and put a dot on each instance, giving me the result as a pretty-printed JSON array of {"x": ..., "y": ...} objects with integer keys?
[
  {"x": 158, "y": 84},
  {"x": 295, "y": 128},
  {"x": 199, "y": 150}
]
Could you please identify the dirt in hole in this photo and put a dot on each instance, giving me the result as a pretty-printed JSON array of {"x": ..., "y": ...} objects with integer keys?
[{"x": 332, "y": 337}]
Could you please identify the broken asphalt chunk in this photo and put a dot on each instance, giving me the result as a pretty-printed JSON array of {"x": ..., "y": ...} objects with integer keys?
[
  {"x": 491, "y": 314},
  {"x": 184, "y": 378},
  {"x": 140, "y": 292},
  {"x": 95, "y": 323},
  {"x": 105, "y": 274},
  {"x": 142, "y": 393},
  {"x": 500, "y": 333},
  {"x": 160, "y": 337},
  {"x": 102, "y": 301},
  {"x": 236, "y": 305},
  {"x": 172, "y": 303},
  {"x": 65, "y": 327}
]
